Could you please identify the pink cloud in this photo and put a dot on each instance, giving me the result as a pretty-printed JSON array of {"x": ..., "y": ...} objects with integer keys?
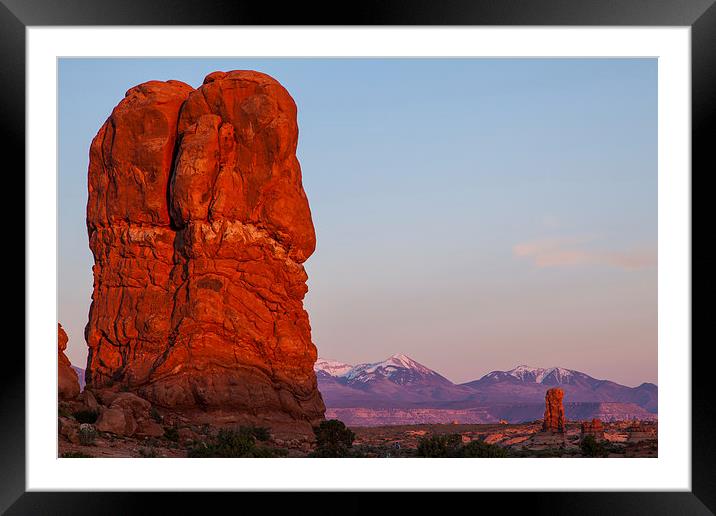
[{"x": 566, "y": 252}]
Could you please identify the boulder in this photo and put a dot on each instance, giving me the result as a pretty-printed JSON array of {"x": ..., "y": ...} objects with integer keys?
[
  {"x": 114, "y": 421},
  {"x": 88, "y": 400},
  {"x": 69, "y": 429},
  {"x": 128, "y": 415},
  {"x": 187, "y": 435}
]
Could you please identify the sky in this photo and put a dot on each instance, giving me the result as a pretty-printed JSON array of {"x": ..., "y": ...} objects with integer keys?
[{"x": 473, "y": 214}]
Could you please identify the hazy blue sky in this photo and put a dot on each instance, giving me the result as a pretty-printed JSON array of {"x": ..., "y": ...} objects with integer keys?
[{"x": 474, "y": 214}]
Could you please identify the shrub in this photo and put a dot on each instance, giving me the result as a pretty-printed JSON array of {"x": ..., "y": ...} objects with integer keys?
[
  {"x": 86, "y": 416},
  {"x": 439, "y": 446},
  {"x": 87, "y": 434},
  {"x": 333, "y": 439},
  {"x": 235, "y": 443},
  {"x": 259, "y": 433},
  {"x": 156, "y": 416},
  {"x": 450, "y": 445},
  {"x": 482, "y": 449},
  {"x": 148, "y": 453},
  {"x": 171, "y": 433},
  {"x": 591, "y": 447}
]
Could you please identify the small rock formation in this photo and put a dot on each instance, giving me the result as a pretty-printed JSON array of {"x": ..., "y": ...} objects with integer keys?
[
  {"x": 68, "y": 385},
  {"x": 69, "y": 429},
  {"x": 199, "y": 226},
  {"x": 594, "y": 428},
  {"x": 639, "y": 431},
  {"x": 127, "y": 414},
  {"x": 554, "y": 411}
]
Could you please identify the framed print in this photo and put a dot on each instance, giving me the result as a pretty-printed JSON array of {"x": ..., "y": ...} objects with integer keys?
[{"x": 430, "y": 249}]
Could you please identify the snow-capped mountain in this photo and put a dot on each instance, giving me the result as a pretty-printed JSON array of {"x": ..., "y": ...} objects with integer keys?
[
  {"x": 331, "y": 367},
  {"x": 527, "y": 383},
  {"x": 546, "y": 376},
  {"x": 401, "y": 383},
  {"x": 398, "y": 368},
  {"x": 539, "y": 375},
  {"x": 396, "y": 380}
]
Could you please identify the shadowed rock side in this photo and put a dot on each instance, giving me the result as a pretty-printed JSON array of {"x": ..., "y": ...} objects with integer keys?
[
  {"x": 199, "y": 226},
  {"x": 68, "y": 385}
]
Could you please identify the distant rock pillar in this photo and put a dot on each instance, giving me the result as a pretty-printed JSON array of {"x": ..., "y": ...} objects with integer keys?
[{"x": 554, "y": 411}]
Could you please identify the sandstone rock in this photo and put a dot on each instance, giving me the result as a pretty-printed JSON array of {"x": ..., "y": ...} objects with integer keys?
[
  {"x": 68, "y": 385},
  {"x": 554, "y": 411},
  {"x": 128, "y": 415},
  {"x": 494, "y": 438},
  {"x": 187, "y": 435},
  {"x": 199, "y": 226},
  {"x": 69, "y": 429},
  {"x": 150, "y": 428},
  {"x": 593, "y": 428},
  {"x": 113, "y": 420},
  {"x": 640, "y": 431},
  {"x": 88, "y": 400}
]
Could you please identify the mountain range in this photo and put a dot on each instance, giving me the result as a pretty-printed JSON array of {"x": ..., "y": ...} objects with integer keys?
[{"x": 399, "y": 390}]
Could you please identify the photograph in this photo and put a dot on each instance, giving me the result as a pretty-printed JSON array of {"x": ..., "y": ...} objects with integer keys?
[{"x": 357, "y": 257}]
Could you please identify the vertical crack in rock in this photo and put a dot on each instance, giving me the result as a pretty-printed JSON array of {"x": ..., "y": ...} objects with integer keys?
[{"x": 199, "y": 226}]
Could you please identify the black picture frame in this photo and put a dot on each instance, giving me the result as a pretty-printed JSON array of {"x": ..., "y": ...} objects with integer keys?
[{"x": 700, "y": 15}]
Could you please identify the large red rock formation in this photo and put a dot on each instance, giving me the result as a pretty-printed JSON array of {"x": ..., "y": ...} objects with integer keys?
[
  {"x": 68, "y": 385},
  {"x": 554, "y": 411},
  {"x": 199, "y": 226}
]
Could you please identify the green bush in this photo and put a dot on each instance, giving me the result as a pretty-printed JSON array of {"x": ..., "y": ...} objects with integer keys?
[
  {"x": 260, "y": 433},
  {"x": 591, "y": 447},
  {"x": 439, "y": 446},
  {"x": 235, "y": 443},
  {"x": 87, "y": 434},
  {"x": 86, "y": 416},
  {"x": 482, "y": 449},
  {"x": 333, "y": 439}
]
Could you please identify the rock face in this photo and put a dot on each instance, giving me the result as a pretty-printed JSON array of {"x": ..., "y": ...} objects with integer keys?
[
  {"x": 199, "y": 226},
  {"x": 68, "y": 385},
  {"x": 554, "y": 411}
]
